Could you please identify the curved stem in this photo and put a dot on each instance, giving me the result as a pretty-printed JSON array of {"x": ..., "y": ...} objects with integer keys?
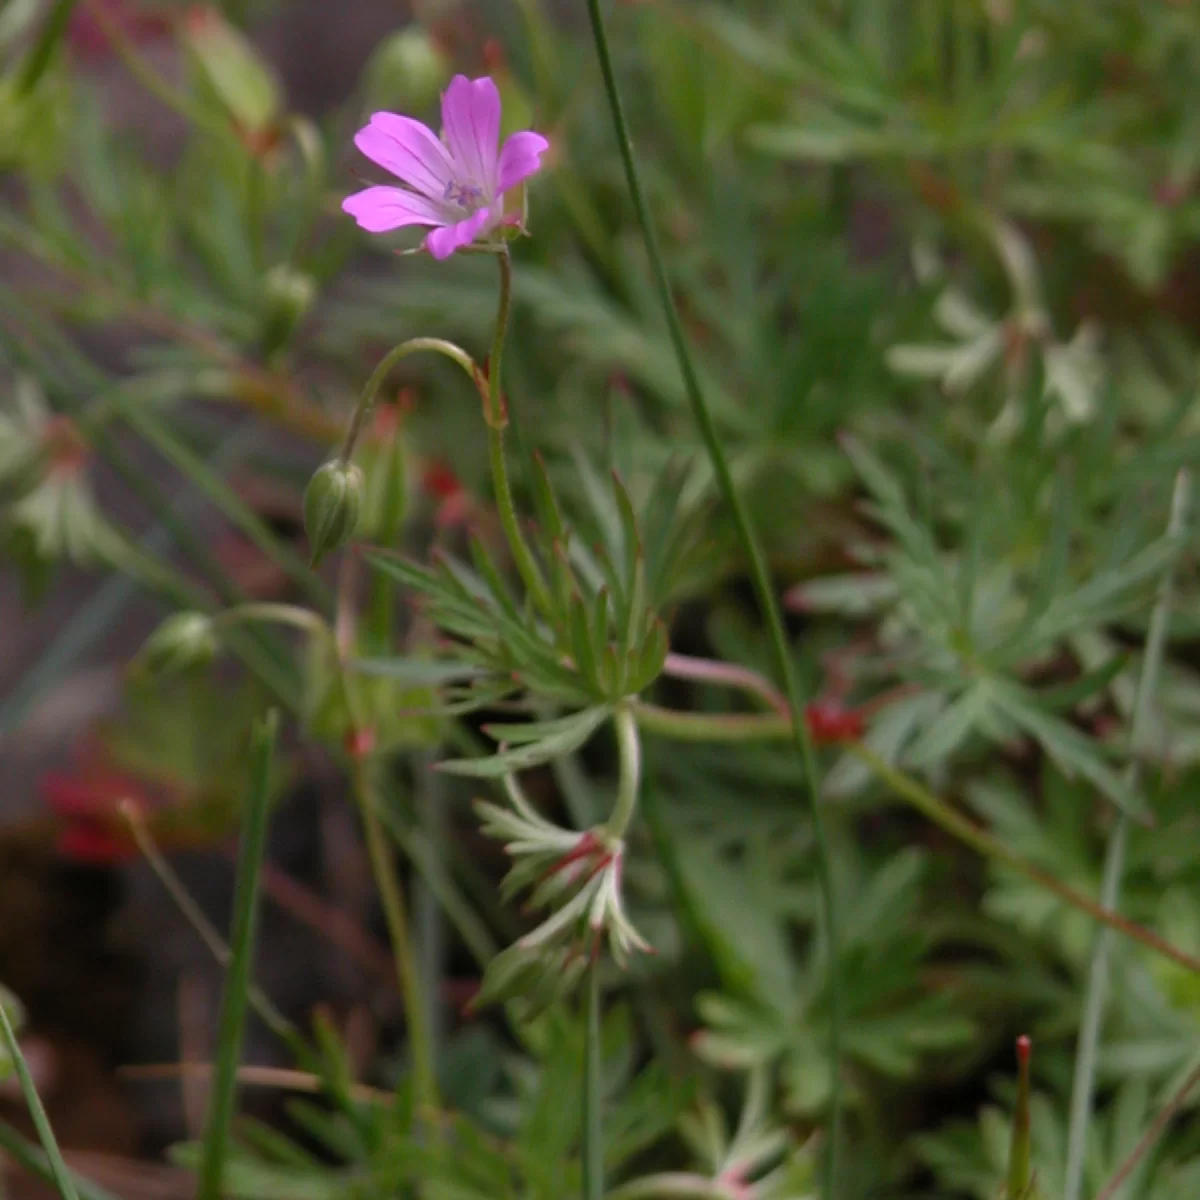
[
  {"x": 1095, "y": 995},
  {"x": 759, "y": 575},
  {"x": 456, "y": 354},
  {"x": 281, "y": 614},
  {"x": 629, "y": 749},
  {"x": 723, "y": 674}
]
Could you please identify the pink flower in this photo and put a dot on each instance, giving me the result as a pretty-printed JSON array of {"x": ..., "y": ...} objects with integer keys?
[{"x": 454, "y": 185}]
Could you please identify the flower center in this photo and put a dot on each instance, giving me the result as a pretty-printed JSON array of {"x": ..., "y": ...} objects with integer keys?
[{"x": 465, "y": 195}]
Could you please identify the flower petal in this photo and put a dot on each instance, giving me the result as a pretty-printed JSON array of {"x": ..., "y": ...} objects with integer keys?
[
  {"x": 471, "y": 126},
  {"x": 520, "y": 157},
  {"x": 379, "y": 209},
  {"x": 410, "y": 151},
  {"x": 442, "y": 243}
]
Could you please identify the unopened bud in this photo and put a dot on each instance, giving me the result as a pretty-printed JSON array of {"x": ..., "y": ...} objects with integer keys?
[
  {"x": 331, "y": 507},
  {"x": 407, "y": 72},
  {"x": 288, "y": 294},
  {"x": 183, "y": 642}
]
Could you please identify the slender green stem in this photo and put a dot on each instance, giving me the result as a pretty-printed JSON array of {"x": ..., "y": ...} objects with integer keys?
[
  {"x": 58, "y": 1168},
  {"x": 39, "y": 58},
  {"x": 426, "y": 856},
  {"x": 530, "y": 572},
  {"x": 953, "y": 823},
  {"x": 712, "y": 727},
  {"x": 1095, "y": 994},
  {"x": 496, "y": 410},
  {"x": 630, "y": 758},
  {"x": 593, "y": 1090},
  {"x": 759, "y": 575},
  {"x": 38, "y": 1163},
  {"x": 270, "y": 1016},
  {"x": 383, "y": 864},
  {"x": 237, "y": 979},
  {"x": 1019, "y": 1165},
  {"x": 282, "y": 614},
  {"x": 703, "y": 727},
  {"x": 1157, "y": 1128},
  {"x": 456, "y": 354},
  {"x": 395, "y": 915},
  {"x": 496, "y": 416}
]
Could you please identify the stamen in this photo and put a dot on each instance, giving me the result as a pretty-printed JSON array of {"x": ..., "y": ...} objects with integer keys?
[{"x": 465, "y": 195}]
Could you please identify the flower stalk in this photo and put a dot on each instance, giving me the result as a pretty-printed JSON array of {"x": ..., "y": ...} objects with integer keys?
[
  {"x": 630, "y": 759},
  {"x": 496, "y": 418}
]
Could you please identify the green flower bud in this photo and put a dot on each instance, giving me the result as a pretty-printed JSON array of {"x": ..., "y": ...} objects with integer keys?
[
  {"x": 288, "y": 294},
  {"x": 407, "y": 72},
  {"x": 331, "y": 507},
  {"x": 183, "y": 642}
]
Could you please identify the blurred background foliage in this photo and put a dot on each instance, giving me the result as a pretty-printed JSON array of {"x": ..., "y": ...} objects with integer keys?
[{"x": 936, "y": 259}]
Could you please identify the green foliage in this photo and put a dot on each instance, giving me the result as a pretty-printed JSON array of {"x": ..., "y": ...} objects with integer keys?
[{"x": 932, "y": 263}]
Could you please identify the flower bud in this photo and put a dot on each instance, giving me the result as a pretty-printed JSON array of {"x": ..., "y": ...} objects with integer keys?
[
  {"x": 288, "y": 294},
  {"x": 331, "y": 507},
  {"x": 407, "y": 72},
  {"x": 182, "y": 642}
]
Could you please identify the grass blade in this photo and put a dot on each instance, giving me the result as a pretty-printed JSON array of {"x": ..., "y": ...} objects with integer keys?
[
  {"x": 759, "y": 573},
  {"x": 237, "y": 979},
  {"x": 60, "y": 1176},
  {"x": 1083, "y": 1083},
  {"x": 37, "y": 1162},
  {"x": 34, "y": 66}
]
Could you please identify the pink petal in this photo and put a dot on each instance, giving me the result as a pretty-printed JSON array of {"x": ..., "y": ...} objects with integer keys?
[
  {"x": 442, "y": 243},
  {"x": 379, "y": 209},
  {"x": 409, "y": 150},
  {"x": 471, "y": 126},
  {"x": 520, "y": 157}
]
